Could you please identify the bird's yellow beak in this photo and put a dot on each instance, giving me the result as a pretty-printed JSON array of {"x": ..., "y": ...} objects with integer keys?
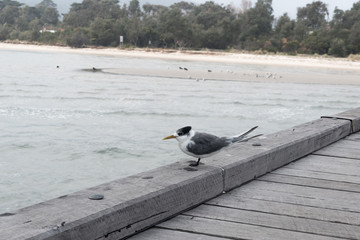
[{"x": 169, "y": 137}]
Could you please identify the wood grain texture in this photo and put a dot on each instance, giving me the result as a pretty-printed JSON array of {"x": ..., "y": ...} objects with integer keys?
[
  {"x": 130, "y": 205},
  {"x": 287, "y": 209},
  {"x": 314, "y": 173},
  {"x": 307, "y": 196},
  {"x": 328, "y": 164},
  {"x": 244, "y": 162},
  {"x": 344, "y": 149},
  {"x": 138, "y": 202},
  {"x": 353, "y": 115},
  {"x": 235, "y": 230},
  {"x": 315, "y": 197},
  {"x": 311, "y": 182},
  {"x": 168, "y": 234},
  {"x": 276, "y": 221}
]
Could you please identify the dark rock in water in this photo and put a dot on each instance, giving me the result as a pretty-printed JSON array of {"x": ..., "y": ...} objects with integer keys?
[
  {"x": 7, "y": 214},
  {"x": 93, "y": 69}
]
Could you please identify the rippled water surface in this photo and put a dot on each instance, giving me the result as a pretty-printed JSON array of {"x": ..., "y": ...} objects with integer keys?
[{"x": 65, "y": 129}]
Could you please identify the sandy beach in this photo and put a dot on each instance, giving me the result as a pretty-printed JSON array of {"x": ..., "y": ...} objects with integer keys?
[{"x": 351, "y": 67}]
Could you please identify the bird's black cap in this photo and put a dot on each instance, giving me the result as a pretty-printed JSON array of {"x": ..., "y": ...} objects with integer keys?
[{"x": 184, "y": 130}]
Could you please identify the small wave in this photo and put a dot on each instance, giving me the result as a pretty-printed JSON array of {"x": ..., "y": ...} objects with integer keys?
[
  {"x": 84, "y": 98},
  {"x": 165, "y": 114},
  {"x": 36, "y": 85},
  {"x": 338, "y": 102},
  {"x": 288, "y": 100},
  {"x": 266, "y": 104},
  {"x": 114, "y": 151},
  {"x": 140, "y": 99},
  {"x": 322, "y": 107},
  {"x": 110, "y": 150},
  {"x": 228, "y": 103},
  {"x": 23, "y": 146}
]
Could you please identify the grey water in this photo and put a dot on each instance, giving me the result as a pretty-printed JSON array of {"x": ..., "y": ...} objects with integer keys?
[{"x": 63, "y": 129}]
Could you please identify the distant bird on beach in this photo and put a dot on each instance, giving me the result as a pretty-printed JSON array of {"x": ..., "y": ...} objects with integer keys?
[
  {"x": 209, "y": 70},
  {"x": 180, "y": 68},
  {"x": 185, "y": 69},
  {"x": 202, "y": 145}
]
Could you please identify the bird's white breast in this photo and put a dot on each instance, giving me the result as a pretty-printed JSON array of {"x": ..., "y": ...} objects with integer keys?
[{"x": 185, "y": 141}]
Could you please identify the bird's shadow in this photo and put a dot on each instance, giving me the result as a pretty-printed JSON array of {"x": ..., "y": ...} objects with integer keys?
[
  {"x": 190, "y": 169},
  {"x": 194, "y": 162}
]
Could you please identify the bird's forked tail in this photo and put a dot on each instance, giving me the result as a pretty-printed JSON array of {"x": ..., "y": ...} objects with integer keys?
[{"x": 243, "y": 137}]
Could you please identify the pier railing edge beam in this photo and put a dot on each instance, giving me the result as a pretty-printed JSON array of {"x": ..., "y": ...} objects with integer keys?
[{"x": 137, "y": 202}]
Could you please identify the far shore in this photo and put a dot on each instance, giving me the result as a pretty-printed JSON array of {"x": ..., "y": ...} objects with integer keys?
[
  {"x": 205, "y": 56},
  {"x": 349, "y": 67}
]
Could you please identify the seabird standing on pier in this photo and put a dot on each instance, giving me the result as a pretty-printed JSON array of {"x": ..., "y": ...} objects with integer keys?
[{"x": 202, "y": 145}]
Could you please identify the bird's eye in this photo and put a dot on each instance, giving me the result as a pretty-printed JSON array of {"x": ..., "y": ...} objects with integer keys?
[{"x": 180, "y": 134}]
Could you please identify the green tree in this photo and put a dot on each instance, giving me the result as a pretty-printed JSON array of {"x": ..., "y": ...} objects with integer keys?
[
  {"x": 50, "y": 16},
  {"x": 260, "y": 18},
  {"x": 285, "y": 27},
  {"x": 317, "y": 42},
  {"x": 354, "y": 38},
  {"x": 337, "y": 48},
  {"x": 9, "y": 14},
  {"x": 313, "y": 16},
  {"x": 173, "y": 28},
  {"x": 211, "y": 25},
  {"x": 102, "y": 32}
]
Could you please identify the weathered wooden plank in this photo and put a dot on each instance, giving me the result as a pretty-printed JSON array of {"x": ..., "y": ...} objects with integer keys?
[
  {"x": 287, "y": 209},
  {"x": 316, "y": 197},
  {"x": 168, "y": 234},
  {"x": 313, "y": 173},
  {"x": 345, "y": 148},
  {"x": 354, "y": 137},
  {"x": 235, "y": 230},
  {"x": 311, "y": 182},
  {"x": 129, "y": 205},
  {"x": 242, "y": 162},
  {"x": 277, "y": 221},
  {"x": 352, "y": 115},
  {"x": 328, "y": 164}
]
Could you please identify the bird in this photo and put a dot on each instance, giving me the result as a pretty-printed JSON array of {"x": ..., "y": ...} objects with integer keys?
[{"x": 202, "y": 145}]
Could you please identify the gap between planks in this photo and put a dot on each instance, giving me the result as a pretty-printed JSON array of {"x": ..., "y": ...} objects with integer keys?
[{"x": 269, "y": 220}]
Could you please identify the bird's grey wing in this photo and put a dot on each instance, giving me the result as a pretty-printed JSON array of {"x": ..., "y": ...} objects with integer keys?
[{"x": 206, "y": 143}]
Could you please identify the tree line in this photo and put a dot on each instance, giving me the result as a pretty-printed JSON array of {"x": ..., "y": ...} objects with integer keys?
[{"x": 186, "y": 25}]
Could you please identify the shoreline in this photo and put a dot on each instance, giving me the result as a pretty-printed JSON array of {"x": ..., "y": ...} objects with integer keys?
[{"x": 204, "y": 56}]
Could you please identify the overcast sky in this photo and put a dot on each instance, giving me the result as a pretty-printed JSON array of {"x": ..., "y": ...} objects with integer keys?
[
  {"x": 290, "y": 6},
  {"x": 279, "y": 6}
]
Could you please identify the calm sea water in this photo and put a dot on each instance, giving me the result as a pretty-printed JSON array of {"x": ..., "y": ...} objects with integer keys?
[{"x": 64, "y": 129}]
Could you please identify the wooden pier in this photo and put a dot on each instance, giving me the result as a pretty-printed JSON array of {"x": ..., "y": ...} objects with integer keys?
[
  {"x": 316, "y": 197},
  {"x": 299, "y": 183}
]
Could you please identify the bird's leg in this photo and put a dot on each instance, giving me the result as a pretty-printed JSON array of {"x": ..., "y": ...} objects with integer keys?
[{"x": 195, "y": 164}]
